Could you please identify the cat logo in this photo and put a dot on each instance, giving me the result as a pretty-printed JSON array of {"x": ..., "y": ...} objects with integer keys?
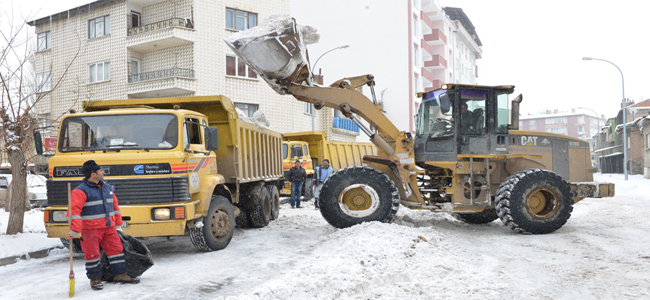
[
  {"x": 545, "y": 141},
  {"x": 528, "y": 140}
]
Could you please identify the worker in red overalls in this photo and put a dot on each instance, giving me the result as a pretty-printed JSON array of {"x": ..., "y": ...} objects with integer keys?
[{"x": 96, "y": 215}]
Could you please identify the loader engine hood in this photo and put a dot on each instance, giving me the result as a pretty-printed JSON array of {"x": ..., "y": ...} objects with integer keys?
[{"x": 276, "y": 50}]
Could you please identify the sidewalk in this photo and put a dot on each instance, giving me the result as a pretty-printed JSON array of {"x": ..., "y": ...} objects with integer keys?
[{"x": 32, "y": 243}]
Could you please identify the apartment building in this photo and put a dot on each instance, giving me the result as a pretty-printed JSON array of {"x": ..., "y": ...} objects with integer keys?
[
  {"x": 409, "y": 46},
  {"x": 125, "y": 49},
  {"x": 578, "y": 123}
]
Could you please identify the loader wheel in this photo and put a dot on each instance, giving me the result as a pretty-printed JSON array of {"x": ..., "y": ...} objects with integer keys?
[
  {"x": 218, "y": 226},
  {"x": 261, "y": 213},
  {"x": 358, "y": 194},
  {"x": 534, "y": 201},
  {"x": 275, "y": 201},
  {"x": 486, "y": 216}
]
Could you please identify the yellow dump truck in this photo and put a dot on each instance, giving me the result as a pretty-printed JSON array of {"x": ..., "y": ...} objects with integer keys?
[
  {"x": 179, "y": 166},
  {"x": 311, "y": 147}
]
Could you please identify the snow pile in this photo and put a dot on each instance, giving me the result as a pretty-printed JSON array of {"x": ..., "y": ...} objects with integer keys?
[
  {"x": 276, "y": 25},
  {"x": 259, "y": 118}
]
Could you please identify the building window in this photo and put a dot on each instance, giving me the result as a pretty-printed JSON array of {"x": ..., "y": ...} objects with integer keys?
[
  {"x": 308, "y": 108},
  {"x": 647, "y": 138},
  {"x": 99, "y": 27},
  {"x": 416, "y": 84},
  {"x": 555, "y": 121},
  {"x": 239, "y": 19},
  {"x": 416, "y": 56},
  {"x": 237, "y": 67},
  {"x": 42, "y": 82},
  {"x": 44, "y": 41},
  {"x": 416, "y": 28},
  {"x": 248, "y": 109},
  {"x": 556, "y": 130},
  {"x": 581, "y": 129},
  {"x": 532, "y": 122},
  {"x": 100, "y": 71},
  {"x": 581, "y": 119},
  {"x": 135, "y": 19}
]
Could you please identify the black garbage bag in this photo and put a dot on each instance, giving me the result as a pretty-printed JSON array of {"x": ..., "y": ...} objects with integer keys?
[{"x": 137, "y": 255}]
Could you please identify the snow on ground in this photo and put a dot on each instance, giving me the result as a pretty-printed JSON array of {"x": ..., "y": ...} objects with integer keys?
[{"x": 601, "y": 253}]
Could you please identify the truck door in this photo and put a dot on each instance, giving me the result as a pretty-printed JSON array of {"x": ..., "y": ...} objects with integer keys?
[{"x": 197, "y": 160}]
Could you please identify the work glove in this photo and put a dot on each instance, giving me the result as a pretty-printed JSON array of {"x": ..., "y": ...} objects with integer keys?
[
  {"x": 71, "y": 234},
  {"x": 118, "y": 227}
]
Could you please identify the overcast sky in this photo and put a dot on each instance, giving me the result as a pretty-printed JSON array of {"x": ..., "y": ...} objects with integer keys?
[{"x": 538, "y": 47}]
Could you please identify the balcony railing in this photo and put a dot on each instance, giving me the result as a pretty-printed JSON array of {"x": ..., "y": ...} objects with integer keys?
[
  {"x": 173, "y": 22},
  {"x": 345, "y": 124},
  {"x": 159, "y": 74}
]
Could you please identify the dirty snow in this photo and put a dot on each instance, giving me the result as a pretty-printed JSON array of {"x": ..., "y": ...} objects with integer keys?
[
  {"x": 259, "y": 118},
  {"x": 276, "y": 24},
  {"x": 601, "y": 253}
]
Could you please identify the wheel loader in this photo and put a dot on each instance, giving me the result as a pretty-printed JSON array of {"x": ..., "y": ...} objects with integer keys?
[{"x": 467, "y": 156}]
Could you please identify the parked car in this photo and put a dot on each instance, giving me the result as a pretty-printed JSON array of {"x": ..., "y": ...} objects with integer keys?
[{"x": 36, "y": 189}]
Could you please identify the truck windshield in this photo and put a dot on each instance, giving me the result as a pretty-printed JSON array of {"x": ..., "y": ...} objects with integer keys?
[
  {"x": 431, "y": 120},
  {"x": 116, "y": 132}
]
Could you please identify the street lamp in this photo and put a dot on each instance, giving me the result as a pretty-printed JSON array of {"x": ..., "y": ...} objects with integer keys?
[
  {"x": 313, "y": 111},
  {"x": 624, "y": 113},
  {"x": 597, "y": 135}
]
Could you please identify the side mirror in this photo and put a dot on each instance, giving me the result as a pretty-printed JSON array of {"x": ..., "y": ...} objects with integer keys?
[
  {"x": 38, "y": 142},
  {"x": 445, "y": 103},
  {"x": 211, "y": 138}
]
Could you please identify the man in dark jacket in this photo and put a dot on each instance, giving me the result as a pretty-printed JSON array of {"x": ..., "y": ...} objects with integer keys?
[
  {"x": 96, "y": 215},
  {"x": 297, "y": 177}
]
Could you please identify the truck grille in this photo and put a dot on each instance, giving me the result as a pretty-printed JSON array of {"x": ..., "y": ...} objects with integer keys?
[{"x": 129, "y": 191}]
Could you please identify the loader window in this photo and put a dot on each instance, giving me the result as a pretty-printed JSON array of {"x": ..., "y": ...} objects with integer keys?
[
  {"x": 285, "y": 150},
  {"x": 431, "y": 118},
  {"x": 472, "y": 112},
  {"x": 503, "y": 112}
]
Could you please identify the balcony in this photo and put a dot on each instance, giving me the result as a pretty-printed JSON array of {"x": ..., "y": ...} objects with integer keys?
[
  {"x": 436, "y": 62},
  {"x": 435, "y": 84},
  {"x": 160, "y": 35},
  {"x": 143, "y": 3},
  {"x": 428, "y": 52},
  {"x": 162, "y": 83},
  {"x": 345, "y": 124},
  {"x": 436, "y": 37}
]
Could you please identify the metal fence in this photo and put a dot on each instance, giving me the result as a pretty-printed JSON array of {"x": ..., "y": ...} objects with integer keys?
[
  {"x": 159, "y": 74},
  {"x": 173, "y": 22}
]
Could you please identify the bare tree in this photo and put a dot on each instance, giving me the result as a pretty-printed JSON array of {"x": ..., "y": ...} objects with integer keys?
[{"x": 20, "y": 92}]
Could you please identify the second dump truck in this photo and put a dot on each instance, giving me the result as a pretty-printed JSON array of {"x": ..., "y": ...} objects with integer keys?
[
  {"x": 311, "y": 147},
  {"x": 179, "y": 166}
]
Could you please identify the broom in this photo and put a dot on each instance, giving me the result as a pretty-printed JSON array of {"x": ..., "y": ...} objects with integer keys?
[{"x": 71, "y": 245}]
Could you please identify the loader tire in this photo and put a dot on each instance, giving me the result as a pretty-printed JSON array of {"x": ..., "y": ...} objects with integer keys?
[
  {"x": 218, "y": 226},
  {"x": 76, "y": 244},
  {"x": 261, "y": 214},
  {"x": 242, "y": 220},
  {"x": 275, "y": 201},
  {"x": 358, "y": 194},
  {"x": 486, "y": 216},
  {"x": 534, "y": 201}
]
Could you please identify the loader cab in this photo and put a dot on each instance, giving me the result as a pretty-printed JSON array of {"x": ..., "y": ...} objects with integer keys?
[{"x": 462, "y": 119}]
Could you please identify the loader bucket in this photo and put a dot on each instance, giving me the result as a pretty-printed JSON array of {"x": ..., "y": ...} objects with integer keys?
[{"x": 276, "y": 51}]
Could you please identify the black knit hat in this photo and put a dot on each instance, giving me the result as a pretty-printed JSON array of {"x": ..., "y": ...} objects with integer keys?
[
  {"x": 90, "y": 166},
  {"x": 326, "y": 160}
]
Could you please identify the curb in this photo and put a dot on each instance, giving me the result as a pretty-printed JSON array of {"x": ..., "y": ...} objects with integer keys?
[{"x": 33, "y": 254}]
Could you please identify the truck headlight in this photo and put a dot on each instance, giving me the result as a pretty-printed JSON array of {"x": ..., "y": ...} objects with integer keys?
[
  {"x": 161, "y": 213},
  {"x": 59, "y": 216}
]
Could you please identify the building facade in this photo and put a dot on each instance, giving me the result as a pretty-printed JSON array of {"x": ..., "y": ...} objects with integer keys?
[
  {"x": 409, "y": 46},
  {"x": 127, "y": 49}
]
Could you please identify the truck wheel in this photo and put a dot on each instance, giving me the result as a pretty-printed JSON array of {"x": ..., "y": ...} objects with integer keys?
[
  {"x": 275, "y": 201},
  {"x": 261, "y": 213},
  {"x": 242, "y": 220},
  {"x": 76, "y": 243},
  {"x": 534, "y": 201},
  {"x": 218, "y": 226},
  {"x": 486, "y": 216},
  {"x": 358, "y": 194},
  {"x": 309, "y": 190}
]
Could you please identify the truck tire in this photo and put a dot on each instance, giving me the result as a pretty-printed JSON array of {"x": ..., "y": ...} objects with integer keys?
[
  {"x": 76, "y": 243},
  {"x": 486, "y": 216},
  {"x": 242, "y": 220},
  {"x": 309, "y": 190},
  {"x": 218, "y": 226},
  {"x": 275, "y": 201},
  {"x": 261, "y": 214},
  {"x": 534, "y": 201},
  {"x": 358, "y": 194}
]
